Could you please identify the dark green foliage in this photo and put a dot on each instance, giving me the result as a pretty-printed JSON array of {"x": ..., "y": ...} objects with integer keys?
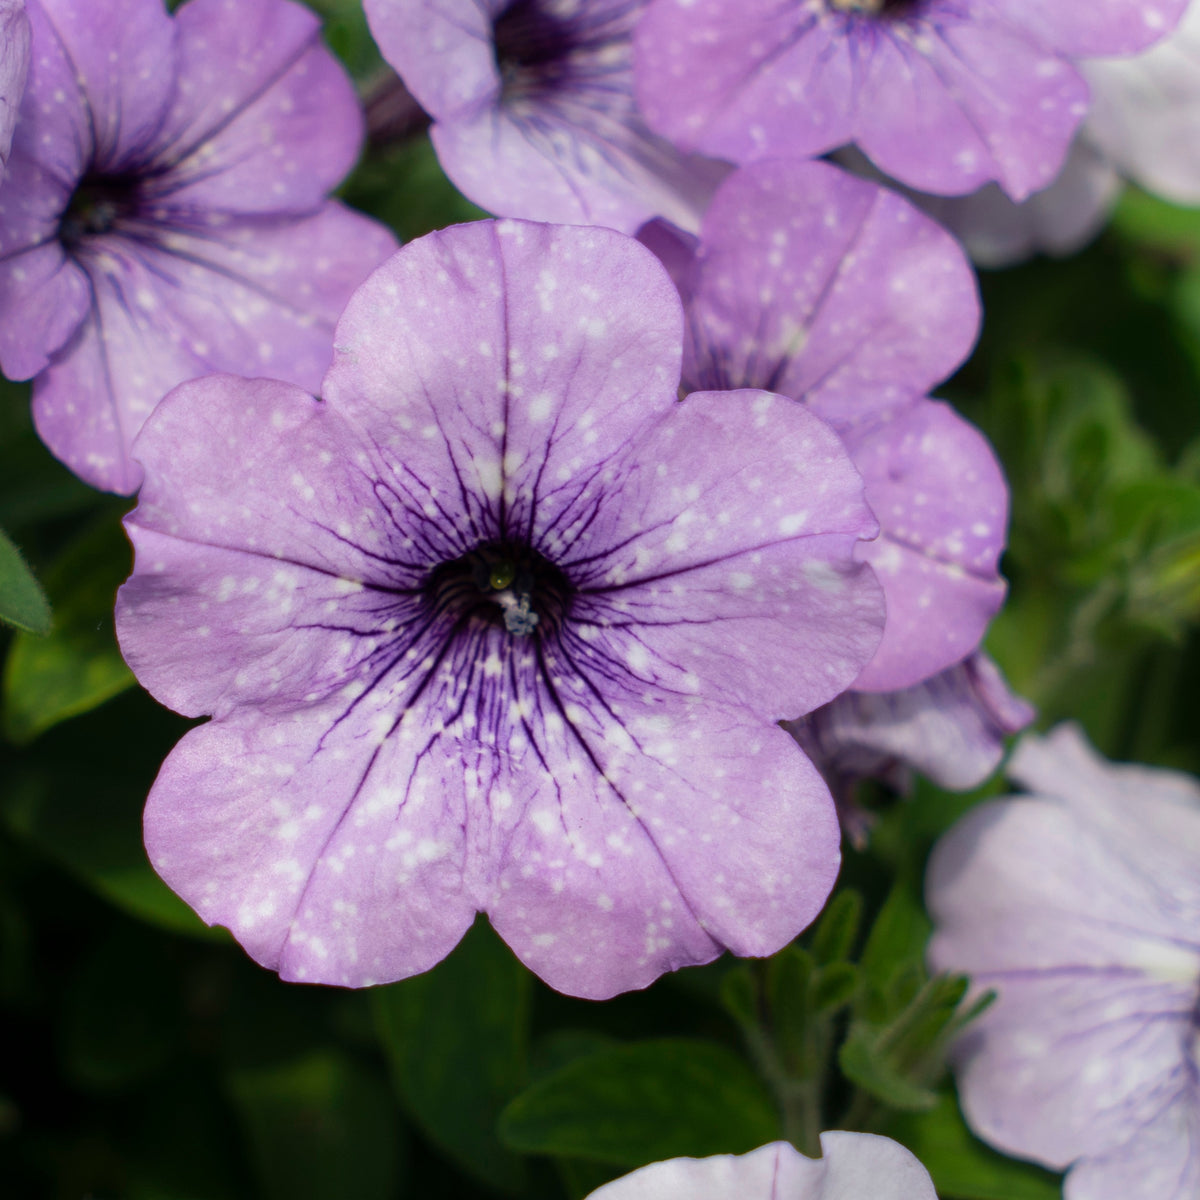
[
  {"x": 636, "y": 1104},
  {"x": 457, "y": 1040}
]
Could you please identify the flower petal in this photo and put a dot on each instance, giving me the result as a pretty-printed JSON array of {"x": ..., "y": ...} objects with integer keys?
[
  {"x": 734, "y": 571},
  {"x": 1096, "y": 981},
  {"x": 280, "y": 549},
  {"x": 1161, "y": 1161},
  {"x": 1087, "y": 28},
  {"x": 461, "y": 371},
  {"x": 264, "y": 118},
  {"x": 852, "y": 1165},
  {"x": 14, "y": 64},
  {"x": 259, "y": 299},
  {"x": 744, "y": 81},
  {"x": 974, "y": 100},
  {"x": 950, "y": 727},
  {"x": 1145, "y": 112},
  {"x": 943, "y": 100},
  {"x": 942, "y": 504},
  {"x": 589, "y": 162},
  {"x": 442, "y": 49},
  {"x": 785, "y": 292},
  {"x": 334, "y": 855},
  {"x": 124, "y": 108},
  {"x": 45, "y": 296},
  {"x": 1164, "y": 826},
  {"x": 1060, "y": 219},
  {"x": 661, "y": 831}
]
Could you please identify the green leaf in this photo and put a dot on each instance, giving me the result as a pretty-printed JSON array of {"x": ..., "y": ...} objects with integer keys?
[
  {"x": 554, "y": 1051},
  {"x": 320, "y": 1126},
  {"x": 457, "y": 1040},
  {"x": 896, "y": 943},
  {"x": 963, "y": 1168},
  {"x": 644, "y": 1102},
  {"x": 78, "y": 666},
  {"x": 22, "y": 602}
]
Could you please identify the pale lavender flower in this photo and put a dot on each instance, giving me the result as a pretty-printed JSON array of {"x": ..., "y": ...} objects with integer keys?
[
  {"x": 852, "y": 1166},
  {"x": 14, "y": 64},
  {"x": 533, "y": 109},
  {"x": 165, "y": 212},
  {"x": 943, "y": 95},
  {"x": 838, "y": 293},
  {"x": 498, "y": 625},
  {"x": 1080, "y": 906}
]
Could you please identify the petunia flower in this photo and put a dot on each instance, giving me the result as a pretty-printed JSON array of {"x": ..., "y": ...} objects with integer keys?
[
  {"x": 14, "y": 64},
  {"x": 498, "y": 625},
  {"x": 852, "y": 1166},
  {"x": 533, "y": 109},
  {"x": 837, "y": 293},
  {"x": 943, "y": 95},
  {"x": 165, "y": 213},
  {"x": 1080, "y": 906}
]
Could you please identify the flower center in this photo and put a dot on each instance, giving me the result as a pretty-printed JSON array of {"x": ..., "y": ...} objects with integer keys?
[
  {"x": 502, "y": 583},
  {"x": 530, "y": 41},
  {"x": 529, "y": 37},
  {"x": 99, "y": 204},
  {"x": 869, "y": 7}
]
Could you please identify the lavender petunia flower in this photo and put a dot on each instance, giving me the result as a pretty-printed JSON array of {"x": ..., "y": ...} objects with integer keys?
[
  {"x": 943, "y": 95},
  {"x": 14, "y": 64},
  {"x": 165, "y": 214},
  {"x": 833, "y": 291},
  {"x": 533, "y": 109},
  {"x": 1080, "y": 905},
  {"x": 499, "y": 625},
  {"x": 852, "y": 1166}
]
